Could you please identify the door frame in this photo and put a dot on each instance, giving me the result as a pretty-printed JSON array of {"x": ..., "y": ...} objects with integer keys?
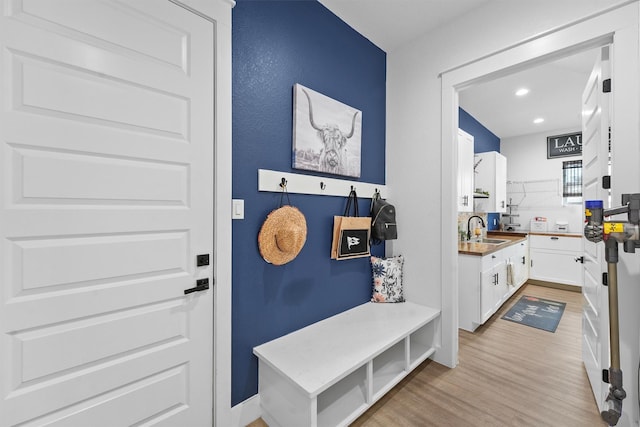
[
  {"x": 219, "y": 12},
  {"x": 617, "y": 25}
]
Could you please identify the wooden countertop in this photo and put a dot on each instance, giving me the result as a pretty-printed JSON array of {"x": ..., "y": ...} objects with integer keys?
[
  {"x": 482, "y": 249},
  {"x": 555, "y": 233}
]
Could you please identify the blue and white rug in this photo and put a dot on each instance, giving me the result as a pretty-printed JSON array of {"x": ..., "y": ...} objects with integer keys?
[{"x": 536, "y": 312}]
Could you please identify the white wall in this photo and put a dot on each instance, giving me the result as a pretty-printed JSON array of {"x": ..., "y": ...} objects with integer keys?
[
  {"x": 415, "y": 168},
  {"x": 535, "y": 182},
  {"x": 414, "y": 117}
]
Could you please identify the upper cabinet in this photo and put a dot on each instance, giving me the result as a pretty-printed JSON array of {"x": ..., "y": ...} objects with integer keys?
[
  {"x": 465, "y": 171},
  {"x": 491, "y": 176}
]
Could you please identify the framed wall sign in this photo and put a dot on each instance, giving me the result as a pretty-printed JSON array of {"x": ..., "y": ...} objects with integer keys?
[{"x": 569, "y": 144}]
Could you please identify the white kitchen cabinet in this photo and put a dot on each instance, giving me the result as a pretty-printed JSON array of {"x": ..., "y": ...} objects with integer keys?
[
  {"x": 482, "y": 282},
  {"x": 491, "y": 176},
  {"x": 493, "y": 286},
  {"x": 553, "y": 259},
  {"x": 465, "y": 171},
  {"x": 518, "y": 255}
]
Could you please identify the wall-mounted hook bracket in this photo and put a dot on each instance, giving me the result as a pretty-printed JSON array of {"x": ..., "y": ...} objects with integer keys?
[{"x": 271, "y": 180}]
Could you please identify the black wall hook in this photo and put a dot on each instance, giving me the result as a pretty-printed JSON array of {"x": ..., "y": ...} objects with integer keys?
[
  {"x": 283, "y": 183},
  {"x": 322, "y": 185}
]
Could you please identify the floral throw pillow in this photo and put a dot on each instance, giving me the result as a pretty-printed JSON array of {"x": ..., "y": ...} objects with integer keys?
[{"x": 387, "y": 279}]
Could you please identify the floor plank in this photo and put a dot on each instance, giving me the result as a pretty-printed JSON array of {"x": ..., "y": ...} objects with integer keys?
[{"x": 508, "y": 375}]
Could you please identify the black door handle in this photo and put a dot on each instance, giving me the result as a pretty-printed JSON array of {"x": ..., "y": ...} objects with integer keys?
[
  {"x": 579, "y": 259},
  {"x": 201, "y": 285}
]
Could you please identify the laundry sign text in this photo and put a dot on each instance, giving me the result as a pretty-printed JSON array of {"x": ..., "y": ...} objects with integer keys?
[{"x": 564, "y": 145}]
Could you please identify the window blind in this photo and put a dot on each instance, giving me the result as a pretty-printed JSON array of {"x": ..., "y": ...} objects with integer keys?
[{"x": 572, "y": 178}]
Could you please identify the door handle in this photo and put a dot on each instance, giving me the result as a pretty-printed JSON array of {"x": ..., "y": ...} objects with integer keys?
[
  {"x": 201, "y": 285},
  {"x": 524, "y": 260},
  {"x": 579, "y": 259}
]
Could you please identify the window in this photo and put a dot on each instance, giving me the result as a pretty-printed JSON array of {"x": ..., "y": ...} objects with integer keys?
[{"x": 572, "y": 182}]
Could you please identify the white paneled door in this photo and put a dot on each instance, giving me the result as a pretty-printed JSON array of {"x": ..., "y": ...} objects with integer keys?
[
  {"x": 595, "y": 160},
  {"x": 106, "y": 154}
]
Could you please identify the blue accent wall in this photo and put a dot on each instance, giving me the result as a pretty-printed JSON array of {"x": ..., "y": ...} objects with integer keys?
[
  {"x": 275, "y": 45},
  {"x": 483, "y": 139}
]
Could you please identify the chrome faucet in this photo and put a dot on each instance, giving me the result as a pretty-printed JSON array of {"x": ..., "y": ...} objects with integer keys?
[{"x": 469, "y": 225}]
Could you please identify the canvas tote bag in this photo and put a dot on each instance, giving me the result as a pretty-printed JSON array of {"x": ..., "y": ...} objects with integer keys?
[{"x": 351, "y": 233}]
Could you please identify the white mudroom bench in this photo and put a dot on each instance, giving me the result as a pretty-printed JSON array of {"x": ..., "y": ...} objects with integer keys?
[{"x": 330, "y": 372}]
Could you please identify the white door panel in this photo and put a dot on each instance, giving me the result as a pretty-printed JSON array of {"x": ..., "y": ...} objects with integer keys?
[
  {"x": 595, "y": 157},
  {"x": 106, "y": 134}
]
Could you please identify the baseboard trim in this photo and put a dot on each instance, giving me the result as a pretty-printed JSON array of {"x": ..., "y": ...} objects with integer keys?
[
  {"x": 246, "y": 412},
  {"x": 555, "y": 285}
]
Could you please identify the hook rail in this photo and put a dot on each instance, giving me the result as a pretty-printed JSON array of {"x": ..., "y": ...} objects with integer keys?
[{"x": 274, "y": 181}]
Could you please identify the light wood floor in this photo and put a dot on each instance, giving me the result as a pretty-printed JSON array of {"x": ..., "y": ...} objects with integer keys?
[{"x": 508, "y": 375}]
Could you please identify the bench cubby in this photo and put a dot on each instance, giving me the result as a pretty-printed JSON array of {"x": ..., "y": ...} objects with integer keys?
[{"x": 330, "y": 372}]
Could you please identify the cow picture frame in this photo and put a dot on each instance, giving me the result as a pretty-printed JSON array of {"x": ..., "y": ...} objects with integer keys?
[{"x": 327, "y": 134}]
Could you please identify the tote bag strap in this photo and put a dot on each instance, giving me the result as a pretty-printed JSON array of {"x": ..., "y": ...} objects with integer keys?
[{"x": 352, "y": 197}]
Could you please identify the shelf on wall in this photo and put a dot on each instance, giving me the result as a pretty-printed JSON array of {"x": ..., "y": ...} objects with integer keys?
[{"x": 270, "y": 180}]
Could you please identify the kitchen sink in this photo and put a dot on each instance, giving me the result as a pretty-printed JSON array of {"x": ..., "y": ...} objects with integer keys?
[{"x": 489, "y": 241}]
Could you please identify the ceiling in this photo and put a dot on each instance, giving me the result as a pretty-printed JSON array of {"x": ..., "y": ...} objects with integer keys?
[
  {"x": 392, "y": 23},
  {"x": 555, "y": 94},
  {"x": 555, "y": 88}
]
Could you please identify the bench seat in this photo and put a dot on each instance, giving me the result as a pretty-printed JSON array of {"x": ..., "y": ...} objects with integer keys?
[{"x": 330, "y": 372}]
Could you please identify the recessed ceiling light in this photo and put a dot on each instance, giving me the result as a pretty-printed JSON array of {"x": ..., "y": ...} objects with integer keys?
[
  {"x": 522, "y": 92},
  {"x": 538, "y": 120}
]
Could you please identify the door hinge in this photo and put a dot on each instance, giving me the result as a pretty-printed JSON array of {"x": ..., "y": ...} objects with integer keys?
[
  {"x": 606, "y": 86},
  {"x": 606, "y": 182},
  {"x": 605, "y": 278}
]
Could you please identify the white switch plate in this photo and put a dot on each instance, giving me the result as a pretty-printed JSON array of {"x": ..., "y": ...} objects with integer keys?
[{"x": 238, "y": 209}]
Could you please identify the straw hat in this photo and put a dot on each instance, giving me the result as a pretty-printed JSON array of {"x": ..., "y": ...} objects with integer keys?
[{"x": 282, "y": 235}]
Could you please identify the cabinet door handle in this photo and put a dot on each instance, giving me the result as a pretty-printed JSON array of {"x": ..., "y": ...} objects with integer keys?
[
  {"x": 524, "y": 260},
  {"x": 579, "y": 259},
  {"x": 554, "y": 238}
]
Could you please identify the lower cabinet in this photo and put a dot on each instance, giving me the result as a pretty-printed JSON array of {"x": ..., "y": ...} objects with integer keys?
[
  {"x": 519, "y": 260},
  {"x": 486, "y": 282},
  {"x": 493, "y": 287},
  {"x": 556, "y": 259}
]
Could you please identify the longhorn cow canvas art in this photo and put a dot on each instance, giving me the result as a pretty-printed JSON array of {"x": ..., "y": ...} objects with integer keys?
[{"x": 326, "y": 134}]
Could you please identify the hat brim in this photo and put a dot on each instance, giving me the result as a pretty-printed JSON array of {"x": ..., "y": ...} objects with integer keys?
[{"x": 284, "y": 217}]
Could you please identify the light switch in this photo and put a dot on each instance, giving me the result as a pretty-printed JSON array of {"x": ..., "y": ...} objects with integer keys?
[{"x": 238, "y": 209}]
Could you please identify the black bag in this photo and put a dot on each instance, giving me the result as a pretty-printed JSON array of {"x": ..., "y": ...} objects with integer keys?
[{"x": 383, "y": 220}]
